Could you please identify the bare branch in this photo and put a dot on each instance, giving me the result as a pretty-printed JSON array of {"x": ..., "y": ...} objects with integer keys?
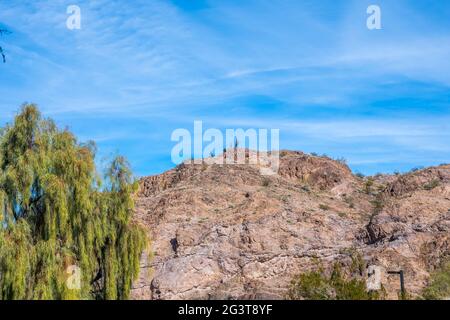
[{"x": 3, "y": 55}]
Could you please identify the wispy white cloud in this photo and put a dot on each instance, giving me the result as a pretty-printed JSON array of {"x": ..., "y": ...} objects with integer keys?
[{"x": 160, "y": 61}]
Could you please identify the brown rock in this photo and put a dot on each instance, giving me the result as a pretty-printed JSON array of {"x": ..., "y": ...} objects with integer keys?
[{"x": 226, "y": 232}]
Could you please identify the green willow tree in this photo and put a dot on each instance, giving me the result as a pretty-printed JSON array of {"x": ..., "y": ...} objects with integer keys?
[{"x": 55, "y": 213}]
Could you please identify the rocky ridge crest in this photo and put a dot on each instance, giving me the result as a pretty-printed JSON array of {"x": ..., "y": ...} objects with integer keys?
[{"x": 228, "y": 232}]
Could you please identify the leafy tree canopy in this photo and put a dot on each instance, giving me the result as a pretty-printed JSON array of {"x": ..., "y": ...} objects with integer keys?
[{"x": 57, "y": 215}]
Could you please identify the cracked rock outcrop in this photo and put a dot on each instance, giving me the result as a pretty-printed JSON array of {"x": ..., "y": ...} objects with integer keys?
[{"x": 227, "y": 232}]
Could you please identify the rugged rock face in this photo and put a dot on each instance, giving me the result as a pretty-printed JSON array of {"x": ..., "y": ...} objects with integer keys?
[{"x": 227, "y": 232}]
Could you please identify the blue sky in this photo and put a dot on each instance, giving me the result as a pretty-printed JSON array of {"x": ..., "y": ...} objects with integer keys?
[{"x": 137, "y": 70}]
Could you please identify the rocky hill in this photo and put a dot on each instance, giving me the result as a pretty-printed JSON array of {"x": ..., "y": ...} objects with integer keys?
[{"x": 228, "y": 232}]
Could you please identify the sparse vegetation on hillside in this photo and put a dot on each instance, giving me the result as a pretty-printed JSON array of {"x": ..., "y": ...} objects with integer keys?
[
  {"x": 59, "y": 221},
  {"x": 377, "y": 204},
  {"x": 349, "y": 200},
  {"x": 368, "y": 185},
  {"x": 439, "y": 286},
  {"x": 338, "y": 285},
  {"x": 431, "y": 185}
]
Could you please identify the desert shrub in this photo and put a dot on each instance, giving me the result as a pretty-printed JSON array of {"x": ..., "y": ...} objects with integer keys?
[
  {"x": 349, "y": 200},
  {"x": 431, "y": 185},
  {"x": 439, "y": 285},
  {"x": 265, "y": 182},
  {"x": 358, "y": 264},
  {"x": 368, "y": 185},
  {"x": 348, "y": 289},
  {"x": 313, "y": 285},
  {"x": 324, "y": 207},
  {"x": 318, "y": 285},
  {"x": 377, "y": 205}
]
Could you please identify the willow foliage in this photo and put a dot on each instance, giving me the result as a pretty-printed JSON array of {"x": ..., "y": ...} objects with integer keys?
[{"x": 57, "y": 215}]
